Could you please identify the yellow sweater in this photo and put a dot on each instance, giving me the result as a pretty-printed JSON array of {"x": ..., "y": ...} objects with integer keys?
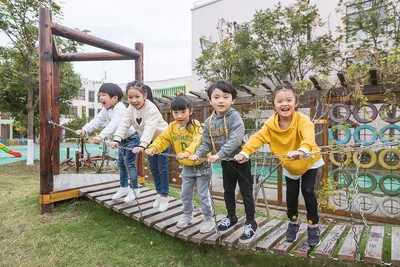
[
  {"x": 181, "y": 139},
  {"x": 300, "y": 134}
]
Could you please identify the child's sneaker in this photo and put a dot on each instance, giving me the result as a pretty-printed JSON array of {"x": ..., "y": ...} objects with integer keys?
[
  {"x": 314, "y": 236},
  {"x": 122, "y": 191},
  {"x": 249, "y": 233},
  {"x": 163, "y": 204},
  {"x": 133, "y": 194},
  {"x": 185, "y": 221},
  {"x": 156, "y": 203},
  {"x": 207, "y": 226},
  {"x": 291, "y": 232},
  {"x": 227, "y": 223}
]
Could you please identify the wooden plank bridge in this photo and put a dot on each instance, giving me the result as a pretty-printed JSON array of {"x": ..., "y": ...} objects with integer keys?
[{"x": 271, "y": 234}]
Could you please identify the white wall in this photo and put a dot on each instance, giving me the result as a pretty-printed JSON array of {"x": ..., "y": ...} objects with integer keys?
[{"x": 205, "y": 19}]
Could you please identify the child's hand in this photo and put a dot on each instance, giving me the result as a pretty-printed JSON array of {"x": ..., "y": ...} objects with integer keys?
[
  {"x": 80, "y": 132},
  {"x": 292, "y": 155},
  {"x": 195, "y": 158},
  {"x": 213, "y": 158},
  {"x": 137, "y": 149},
  {"x": 113, "y": 145},
  {"x": 181, "y": 155},
  {"x": 149, "y": 151},
  {"x": 97, "y": 140},
  {"x": 240, "y": 158}
]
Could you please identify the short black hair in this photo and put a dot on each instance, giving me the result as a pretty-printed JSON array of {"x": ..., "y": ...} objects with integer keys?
[
  {"x": 281, "y": 88},
  {"x": 112, "y": 90},
  {"x": 224, "y": 86}
]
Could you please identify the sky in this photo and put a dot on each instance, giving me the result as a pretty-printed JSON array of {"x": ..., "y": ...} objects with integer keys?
[{"x": 164, "y": 27}]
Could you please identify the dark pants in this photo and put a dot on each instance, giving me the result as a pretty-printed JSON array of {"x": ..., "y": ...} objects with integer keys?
[
  {"x": 159, "y": 171},
  {"x": 307, "y": 190},
  {"x": 232, "y": 173}
]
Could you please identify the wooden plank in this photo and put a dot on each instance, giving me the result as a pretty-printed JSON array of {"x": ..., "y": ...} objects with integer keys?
[
  {"x": 216, "y": 237},
  {"x": 395, "y": 246},
  {"x": 173, "y": 203},
  {"x": 112, "y": 202},
  {"x": 232, "y": 239},
  {"x": 303, "y": 250},
  {"x": 143, "y": 199},
  {"x": 272, "y": 239},
  {"x": 161, "y": 226},
  {"x": 374, "y": 250},
  {"x": 86, "y": 190},
  {"x": 175, "y": 230},
  {"x": 325, "y": 250},
  {"x": 200, "y": 238},
  {"x": 348, "y": 250},
  {"x": 162, "y": 216},
  {"x": 102, "y": 193},
  {"x": 188, "y": 233},
  {"x": 137, "y": 208},
  {"x": 283, "y": 247},
  {"x": 262, "y": 232}
]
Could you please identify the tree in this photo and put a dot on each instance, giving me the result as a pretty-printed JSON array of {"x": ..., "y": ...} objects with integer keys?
[{"x": 19, "y": 64}]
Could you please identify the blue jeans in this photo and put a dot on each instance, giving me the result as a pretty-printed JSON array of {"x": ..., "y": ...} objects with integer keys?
[
  {"x": 159, "y": 171},
  {"x": 127, "y": 161}
]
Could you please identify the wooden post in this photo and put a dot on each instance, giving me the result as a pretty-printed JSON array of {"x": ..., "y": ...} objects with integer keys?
[
  {"x": 45, "y": 105},
  {"x": 77, "y": 160},
  {"x": 56, "y": 117},
  {"x": 280, "y": 193},
  {"x": 139, "y": 76}
]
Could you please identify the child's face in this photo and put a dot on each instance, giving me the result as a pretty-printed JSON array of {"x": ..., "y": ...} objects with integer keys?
[
  {"x": 285, "y": 103},
  {"x": 221, "y": 101},
  {"x": 182, "y": 116},
  {"x": 108, "y": 101},
  {"x": 136, "y": 98}
]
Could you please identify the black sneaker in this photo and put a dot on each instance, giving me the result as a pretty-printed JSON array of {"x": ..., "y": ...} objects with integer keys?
[
  {"x": 226, "y": 223},
  {"x": 314, "y": 236},
  {"x": 291, "y": 232},
  {"x": 249, "y": 233}
]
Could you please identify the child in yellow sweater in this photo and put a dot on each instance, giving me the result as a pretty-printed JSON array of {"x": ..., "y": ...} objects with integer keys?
[
  {"x": 184, "y": 134},
  {"x": 291, "y": 133}
]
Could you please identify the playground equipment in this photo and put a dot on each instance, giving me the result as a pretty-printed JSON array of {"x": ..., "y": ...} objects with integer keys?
[{"x": 9, "y": 151}]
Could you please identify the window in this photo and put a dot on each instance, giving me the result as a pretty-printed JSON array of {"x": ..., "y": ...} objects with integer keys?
[
  {"x": 91, "y": 112},
  {"x": 205, "y": 44},
  {"x": 81, "y": 95},
  {"x": 73, "y": 111},
  {"x": 83, "y": 112},
  {"x": 91, "y": 96}
]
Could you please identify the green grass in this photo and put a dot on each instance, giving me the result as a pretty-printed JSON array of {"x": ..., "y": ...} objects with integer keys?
[{"x": 83, "y": 233}]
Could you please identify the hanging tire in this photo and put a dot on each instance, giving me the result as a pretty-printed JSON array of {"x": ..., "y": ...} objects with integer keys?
[
  {"x": 340, "y": 200},
  {"x": 389, "y": 213},
  {"x": 337, "y": 163},
  {"x": 368, "y": 189},
  {"x": 365, "y": 165},
  {"x": 339, "y": 105},
  {"x": 383, "y": 187},
  {"x": 373, "y": 116},
  {"x": 346, "y": 175},
  {"x": 382, "y": 155},
  {"x": 383, "y": 113},
  {"x": 384, "y": 129},
  {"x": 336, "y": 128},
  {"x": 365, "y": 127},
  {"x": 362, "y": 197}
]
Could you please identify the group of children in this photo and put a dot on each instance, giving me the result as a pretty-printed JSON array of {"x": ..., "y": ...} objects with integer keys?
[{"x": 141, "y": 128}]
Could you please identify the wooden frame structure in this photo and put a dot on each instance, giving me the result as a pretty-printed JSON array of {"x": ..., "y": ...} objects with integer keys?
[{"x": 49, "y": 92}]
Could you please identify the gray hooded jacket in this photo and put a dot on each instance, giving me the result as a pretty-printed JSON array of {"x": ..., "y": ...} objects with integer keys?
[{"x": 224, "y": 148}]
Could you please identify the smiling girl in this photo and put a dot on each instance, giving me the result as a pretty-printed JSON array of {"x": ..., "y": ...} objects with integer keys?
[
  {"x": 291, "y": 133},
  {"x": 144, "y": 115}
]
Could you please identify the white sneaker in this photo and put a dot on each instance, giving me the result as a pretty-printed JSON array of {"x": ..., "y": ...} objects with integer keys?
[
  {"x": 122, "y": 191},
  {"x": 207, "y": 226},
  {"x": 156, "y": 203},
  {"x": 185, "y": 221},
  {"x": 133, "y": 194},
  {"x": 163, "y": 204}
]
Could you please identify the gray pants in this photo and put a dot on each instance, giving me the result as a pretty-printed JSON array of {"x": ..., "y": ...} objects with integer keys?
[{"x": 202, "y": 176}]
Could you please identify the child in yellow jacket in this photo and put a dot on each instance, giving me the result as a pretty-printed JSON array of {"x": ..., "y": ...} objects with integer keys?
[
  {"x": 184, "y": 134},
  {"x": 291, "y": 133}
]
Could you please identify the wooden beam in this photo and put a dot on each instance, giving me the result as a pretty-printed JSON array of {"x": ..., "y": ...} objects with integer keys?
[
  {"x": 139, "y": 76},
  {"x": 162, "y": 100},
  {"x": 199, "y": 95},
  {"x": 100, "y": 56}
]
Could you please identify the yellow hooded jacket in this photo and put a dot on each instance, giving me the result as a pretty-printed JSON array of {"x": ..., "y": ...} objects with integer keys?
[
  {"x": 183, "y": 140},
  {"x": 300, "y": 134}
]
